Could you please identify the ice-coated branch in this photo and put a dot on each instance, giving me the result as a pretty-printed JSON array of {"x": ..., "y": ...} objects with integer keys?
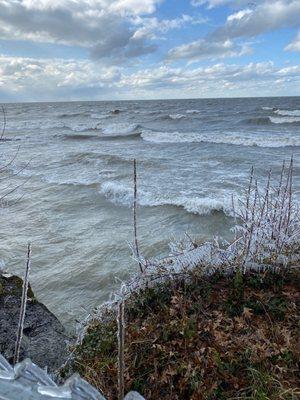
[
  {"x": 136, "y": 246},
  {"x": 22, "y": 307},
  {"x": 121, "y": 345}
]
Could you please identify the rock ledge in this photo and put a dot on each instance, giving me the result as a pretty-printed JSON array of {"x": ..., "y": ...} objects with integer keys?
[{"x": 44, "y": 337}]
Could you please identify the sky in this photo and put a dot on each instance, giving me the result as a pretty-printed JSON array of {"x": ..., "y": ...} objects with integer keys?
[{"x": 62, "y": 50}]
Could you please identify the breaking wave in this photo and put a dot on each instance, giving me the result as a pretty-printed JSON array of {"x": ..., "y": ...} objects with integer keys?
[
  {"x": 268, "y": 108},
  {"x": 176, "y": 116},
  {"x": 121, "y": 194},
  {"x": 219, "y": 138},
  {"x": 193, "y": 111},
  {"x": 121, "y": 129},
  {"x": 291, "y": 113},
  {"x": 285, "y": 120},
  {"x": 272, "y": 120}
]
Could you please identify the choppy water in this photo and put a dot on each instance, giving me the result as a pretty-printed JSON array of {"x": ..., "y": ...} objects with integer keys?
[{"x": 75, "y": 166}]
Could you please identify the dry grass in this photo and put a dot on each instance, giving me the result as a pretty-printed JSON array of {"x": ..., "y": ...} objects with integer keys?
[{"x": 209, "y": 338}]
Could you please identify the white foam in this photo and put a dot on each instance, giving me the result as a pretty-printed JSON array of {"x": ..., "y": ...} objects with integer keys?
[
  {"x": 176, "y": 116},
  {"x": 83, "y": 127},
  {"x": 193, "y": 111},
  {"x": 284, "y": 120},
  {"x": 241, "y": 139},
  {"x": 120, "y": 194},
  {"x": 119, "y": 129},
  {"x": 267, "y": 108},
  {"x": 291, "y": 113},
  {"x": 99, "y": 116}
]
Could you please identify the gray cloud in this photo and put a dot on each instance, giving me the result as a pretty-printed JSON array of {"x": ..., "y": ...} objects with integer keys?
[
  {"x": 206, "y": 49},
  {"x": 47, "y": 79},
  {"x": 99, "y": 25},
  {"x": 268, "y": 16},
  {"x": 249, "y": 22}
]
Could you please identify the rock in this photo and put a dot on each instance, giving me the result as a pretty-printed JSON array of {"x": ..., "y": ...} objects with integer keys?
[
  {"x": 133, "y": 396},
  {"x": 44, "y": 338}
]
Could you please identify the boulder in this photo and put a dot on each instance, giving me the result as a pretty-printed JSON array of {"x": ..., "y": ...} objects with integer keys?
[{"x": 44, "y": 337}]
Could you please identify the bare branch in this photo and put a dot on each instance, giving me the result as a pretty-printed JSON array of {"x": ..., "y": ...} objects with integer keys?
[{"x": 23, "y": 307}]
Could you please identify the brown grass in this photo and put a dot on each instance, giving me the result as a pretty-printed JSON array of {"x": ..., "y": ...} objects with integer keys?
[{"x": 212, "y": 338}]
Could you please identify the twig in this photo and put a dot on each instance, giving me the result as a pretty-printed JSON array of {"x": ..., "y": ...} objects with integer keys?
[
  {"x": 23, "y": 307},
  {"x": 134, "y": 215},
  {"x": 121, "y": 342},
  {"x": 4, "y": 122}
]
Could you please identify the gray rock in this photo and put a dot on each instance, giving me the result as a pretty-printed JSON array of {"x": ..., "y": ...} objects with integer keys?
[
  {"x": 44, "y": 337},
  {"x": 133, "y": 396}
]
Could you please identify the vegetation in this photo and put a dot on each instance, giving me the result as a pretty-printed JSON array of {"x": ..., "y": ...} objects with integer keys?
[
  {"x": 206, "y": 338},
  {"x": 211, "y": 321}
]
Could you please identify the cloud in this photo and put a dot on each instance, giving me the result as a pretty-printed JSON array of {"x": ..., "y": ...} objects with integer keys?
[
  {"x": 53, "y": 79},
  {"x": 294, "y": 45},
  {"x": 103, "y": 26},
  {"x": 205, "y": 49},
  {"x": 43, "y": 79},
  {"x": 267, "y": 16},
  {"x": 151, "y": 27},
  {"x": 217, "y": 3},
  {"x": 245, "y": 23},
  {"x": 210, "y": 3}
]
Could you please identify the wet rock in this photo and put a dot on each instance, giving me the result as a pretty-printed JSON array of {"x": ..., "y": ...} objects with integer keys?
[{"x": 44, "y": 337}]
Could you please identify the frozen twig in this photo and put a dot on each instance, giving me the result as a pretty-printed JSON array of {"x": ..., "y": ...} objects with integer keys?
[
  {"x": 4, "y": 122},
  {"x": 121, "y": 343},
  {"x": 22, "y": 307},
  {"x": 136, "y": 246}
]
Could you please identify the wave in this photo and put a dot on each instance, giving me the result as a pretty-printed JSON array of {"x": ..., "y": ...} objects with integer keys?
[
  {"x": 271, "y": 120},
  {"x": 257, "y": 121},
  {"x": 193, "y": 111},
  {"x": 121, "y": 129},
  {"x": 176, "y": 116},
  {"x": 70, "y": 115},
  {"x": 268, "y": 108},
  {"x": 221, "y": 138},
  {"x": 291, "y": 113},
  {"x": 70, "y": 181},
  {"x": 172, "y": 117},
  {"x": 78, "y": 137},
  {"x": 121, "y": 194},
  {"x": 285, "y": 120},
  {"x": 99, "y": 116}
]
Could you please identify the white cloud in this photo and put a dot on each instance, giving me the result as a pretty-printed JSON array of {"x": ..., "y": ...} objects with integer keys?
[
  {"x": 294, "y": 45},
  {"x": 217, "y": 3},
  {"x": 267, "y": 16},
  {"x": 206, "y": 49},
  {"x": 239, "y": 15},
  {"x": 100, "y": 25},
  {"x": 151, "y": 27},
  {"x": 249, "y": 22},
  {"x": 32, "y": 79}
]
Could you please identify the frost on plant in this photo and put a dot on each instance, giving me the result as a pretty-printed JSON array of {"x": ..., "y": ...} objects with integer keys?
[{"x": 267, "y": 234}]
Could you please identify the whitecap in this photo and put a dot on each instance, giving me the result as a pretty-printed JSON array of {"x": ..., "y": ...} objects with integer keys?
[
  {"x": 241, "y": 139},
  {"x": 121, "y": 194},
  {"x": 267, "y": 108},
  {"x": 176, "y": 116},
  {"x": 120, "y": 129},
  {"x": 285, "y": 120},
  {"x": 291, "y": 113},
  {"x": 193, "y": 111},
  {"x": 99, "y": 116}
]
